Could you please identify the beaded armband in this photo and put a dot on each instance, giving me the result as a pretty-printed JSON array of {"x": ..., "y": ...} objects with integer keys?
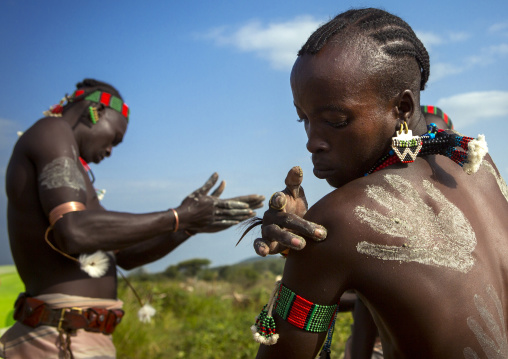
[
  {"x": 294, "y": 309},
  {"x": 302, "y": 313}
]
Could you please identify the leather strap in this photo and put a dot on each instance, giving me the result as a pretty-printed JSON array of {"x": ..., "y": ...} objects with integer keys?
[{"x": 34, "y": 312}]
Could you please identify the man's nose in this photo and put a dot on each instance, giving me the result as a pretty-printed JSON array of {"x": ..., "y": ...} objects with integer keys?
[
  {"x": 315, "y": 140},
  {"x": 109, "y": 150}
]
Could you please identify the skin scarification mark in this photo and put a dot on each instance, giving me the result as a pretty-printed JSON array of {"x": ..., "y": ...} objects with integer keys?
[
  {"x": 496, "y": 348},
  {"x": 62, "y": 172},
  {"x": 500, "y": 181},
  {"x": 441, "y": 237}
]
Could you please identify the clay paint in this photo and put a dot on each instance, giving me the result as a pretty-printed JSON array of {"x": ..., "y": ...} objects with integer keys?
[
  {"x": 496, "y": 347},
  {"x": 440, "y": 236},
  {"x": 62, "y": 172},
  {"x": 500, "y": 181}
]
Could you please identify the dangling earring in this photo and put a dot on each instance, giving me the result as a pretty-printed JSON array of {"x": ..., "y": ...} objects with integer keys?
[
  {"x": 405, "y": 145},
  {"x": 94, "y": 115}
]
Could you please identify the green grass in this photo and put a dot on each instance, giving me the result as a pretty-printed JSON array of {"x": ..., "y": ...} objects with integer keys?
[
  {"x": 10, "y": 286},
  {"x": 195, "y": 318},
  {"x": 198, "y": 319}
]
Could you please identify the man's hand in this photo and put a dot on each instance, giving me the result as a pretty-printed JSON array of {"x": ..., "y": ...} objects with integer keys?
[
  {"x": 201, "y": 212},
  {"x": 283, "y": 224}
]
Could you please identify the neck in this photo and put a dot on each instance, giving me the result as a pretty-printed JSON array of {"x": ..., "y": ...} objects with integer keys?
[{"x": 418, "y": 124}]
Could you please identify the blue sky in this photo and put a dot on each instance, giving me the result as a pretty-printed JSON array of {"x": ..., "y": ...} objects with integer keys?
[{"x": 208, "y": 88}]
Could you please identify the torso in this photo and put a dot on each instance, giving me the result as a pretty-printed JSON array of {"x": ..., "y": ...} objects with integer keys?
[
  {"x": 42, "y": 269},
  {"x": 429, "y": 279}
]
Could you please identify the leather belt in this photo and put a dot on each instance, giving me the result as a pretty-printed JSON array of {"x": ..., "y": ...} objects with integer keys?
[{"x": 34, "y": 312}]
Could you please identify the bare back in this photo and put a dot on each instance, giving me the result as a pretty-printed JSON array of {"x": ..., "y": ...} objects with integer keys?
[
  {"x": 42, "y": 269},
  {"x": 426, "y": 249}
]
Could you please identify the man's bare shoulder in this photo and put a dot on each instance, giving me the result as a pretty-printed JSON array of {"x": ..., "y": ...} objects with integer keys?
[
  {"x": 341, "y": 203},
  {"x": 49, "y": 134}
]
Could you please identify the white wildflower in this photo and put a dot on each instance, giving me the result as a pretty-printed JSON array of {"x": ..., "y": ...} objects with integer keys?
[
  {"x": 146, "y": 313},
  {"x": 95, "y": 264},
  {"x": 100, "y": 193}
]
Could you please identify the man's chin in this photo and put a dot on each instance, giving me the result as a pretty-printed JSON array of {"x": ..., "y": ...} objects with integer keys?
[{"x": 334, "y": 183}]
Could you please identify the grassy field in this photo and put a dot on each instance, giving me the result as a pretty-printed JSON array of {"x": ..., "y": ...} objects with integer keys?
[
  {"x": 205, "y": 316},
  {"x": 10, "y": 287},
  {"x": 205, "y": 319}
]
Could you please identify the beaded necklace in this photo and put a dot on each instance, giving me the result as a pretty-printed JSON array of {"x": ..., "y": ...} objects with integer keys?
[{"x": 465, "y": 151}]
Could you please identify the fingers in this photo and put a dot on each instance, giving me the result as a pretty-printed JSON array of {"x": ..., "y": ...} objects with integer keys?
[
  {"x": 296, "y": 224},
  {"x": 265, "y": 247},
  {"x": 207, "y": 186},
  {"x": 218, "y": 191},
  {"x": 231, "y": 204},
  {"x": 253, "y": 200},
  {"x": 278, "y": 201},
  {"x": 294, "y": 176},
  {"x": 274, "y": 233},
  {"x": 233, "y": 214}
]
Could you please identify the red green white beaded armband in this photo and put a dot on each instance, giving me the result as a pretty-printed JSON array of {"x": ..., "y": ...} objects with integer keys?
[{"x": 294, "y": 309}]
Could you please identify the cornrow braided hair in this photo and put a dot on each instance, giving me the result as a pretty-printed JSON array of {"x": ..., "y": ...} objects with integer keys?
[{"x": 395, "y": 36}]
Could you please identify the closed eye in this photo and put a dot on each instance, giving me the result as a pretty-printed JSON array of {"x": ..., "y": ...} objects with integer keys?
[{"x": 338, "y": 124}]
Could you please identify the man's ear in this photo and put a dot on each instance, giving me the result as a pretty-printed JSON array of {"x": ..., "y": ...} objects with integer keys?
[
  {"x": 405, "y": 104},
  {"x": 101, "y": 109}
]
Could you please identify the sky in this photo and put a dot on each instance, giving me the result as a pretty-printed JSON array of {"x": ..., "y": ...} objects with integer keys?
[{"x": 207, "y": 83}]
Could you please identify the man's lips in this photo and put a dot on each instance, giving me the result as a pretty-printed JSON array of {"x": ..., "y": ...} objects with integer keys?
[{"x": 323, "y": 171}]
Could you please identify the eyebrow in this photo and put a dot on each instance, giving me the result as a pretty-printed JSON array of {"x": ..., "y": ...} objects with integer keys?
[{"x": 325, "y": 108}]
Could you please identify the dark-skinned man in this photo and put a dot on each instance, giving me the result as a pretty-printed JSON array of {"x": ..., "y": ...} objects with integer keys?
[
  {"x": 66, "y": 245},
  {"x": 416, "y": 223}
]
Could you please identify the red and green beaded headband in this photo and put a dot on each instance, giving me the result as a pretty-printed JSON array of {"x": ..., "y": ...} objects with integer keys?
[{"x": 104, "y": 98}]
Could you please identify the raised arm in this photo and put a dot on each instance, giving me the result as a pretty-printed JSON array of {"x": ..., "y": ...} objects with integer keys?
[
  {"x": 319, "y": 274},
  {"x": 61, "y": 179}
]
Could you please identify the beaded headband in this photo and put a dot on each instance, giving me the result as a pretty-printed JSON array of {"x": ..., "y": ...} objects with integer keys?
[{"x": 104, "y": 98}]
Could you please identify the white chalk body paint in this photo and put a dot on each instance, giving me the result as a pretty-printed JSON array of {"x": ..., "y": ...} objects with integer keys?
[
  {"x": 500, "y": 181},
  {"x": 441, "y": 238},
  {"x": 496, "y": 347},
  {"x": 62, "y": 172}
]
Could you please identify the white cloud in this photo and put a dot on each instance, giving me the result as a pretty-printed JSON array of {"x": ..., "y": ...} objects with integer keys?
[
  {"x": 441, "y": 69},
  {"x": 500, "y": 28},
  {"x": 431, "y": 39},
  {"x": 458, "y": 36},
  {"x": 276, "y": 42},
  {"x": 472, "y": 107}
]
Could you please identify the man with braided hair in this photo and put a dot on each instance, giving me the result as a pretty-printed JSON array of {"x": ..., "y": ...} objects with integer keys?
[
  {"x": 416, "y": 222},
  {"x": 66, "y": 245}
]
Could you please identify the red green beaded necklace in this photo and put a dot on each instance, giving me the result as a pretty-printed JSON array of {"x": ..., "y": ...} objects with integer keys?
[{"x": 465, "y": 151}]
